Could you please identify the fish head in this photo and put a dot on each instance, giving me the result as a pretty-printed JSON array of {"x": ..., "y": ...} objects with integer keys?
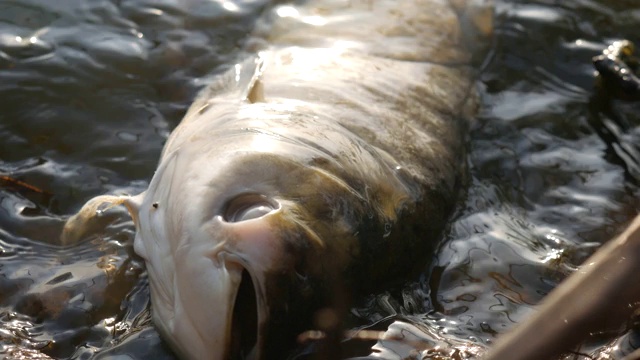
[{"x": 243, "y": 247}]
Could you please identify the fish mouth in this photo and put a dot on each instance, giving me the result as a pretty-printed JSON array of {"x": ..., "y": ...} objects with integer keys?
[{"x": 244, "y": 322}]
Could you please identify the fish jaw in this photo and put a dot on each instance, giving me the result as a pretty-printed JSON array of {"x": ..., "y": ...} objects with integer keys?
[
  {"x": 207, "y": 304},
  {"x": 201, "y": 313},
  {"x": 207, "y": 279}
]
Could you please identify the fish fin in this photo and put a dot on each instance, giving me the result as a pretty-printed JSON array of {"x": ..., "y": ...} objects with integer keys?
[
  {"x": 476, "y": 18},
  {"x": 256, "y": 92},
  {"x": 80, "y": 224},
  {"x": 239, "y": 83}
]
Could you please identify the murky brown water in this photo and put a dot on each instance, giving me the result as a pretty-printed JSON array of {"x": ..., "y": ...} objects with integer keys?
[{"x": 89, "y": 91}]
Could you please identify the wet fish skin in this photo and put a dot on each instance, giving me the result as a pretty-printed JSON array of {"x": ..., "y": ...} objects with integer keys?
[
  {"x": 346, "y": 210},
  {"x": 324, "y": 168}
]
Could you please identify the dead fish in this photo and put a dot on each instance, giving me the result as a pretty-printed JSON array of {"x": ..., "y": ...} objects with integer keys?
[
  {"x": 601, "y": 295},
  {"x": 322, "y": 168}
]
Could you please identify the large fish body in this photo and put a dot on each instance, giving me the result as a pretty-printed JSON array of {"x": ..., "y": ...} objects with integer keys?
[{"x": 329, "y": 161}]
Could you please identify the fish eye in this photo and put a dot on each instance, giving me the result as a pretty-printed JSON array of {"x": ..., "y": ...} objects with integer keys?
[{"x": 248, "y": 206}]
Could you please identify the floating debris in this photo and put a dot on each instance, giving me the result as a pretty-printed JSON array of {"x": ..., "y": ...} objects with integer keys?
[{"x": 618, "y": 70}]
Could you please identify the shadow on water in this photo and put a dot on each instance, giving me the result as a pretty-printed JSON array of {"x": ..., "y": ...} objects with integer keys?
[{"x": 90, "y": 90}]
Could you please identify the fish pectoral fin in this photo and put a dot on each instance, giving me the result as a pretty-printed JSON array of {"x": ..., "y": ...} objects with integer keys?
[
  {"x": 239, "y": 83},
  {"x": 87, "y": 219},
  {"x": 256, "y": 93},
  {"x": 247, "y": 76}
]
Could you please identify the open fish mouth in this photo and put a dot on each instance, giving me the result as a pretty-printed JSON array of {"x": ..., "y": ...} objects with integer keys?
[{"x": 244, "y": 326}]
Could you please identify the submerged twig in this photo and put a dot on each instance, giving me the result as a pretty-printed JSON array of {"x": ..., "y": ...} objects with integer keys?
[{"x": 7, "y": 181}]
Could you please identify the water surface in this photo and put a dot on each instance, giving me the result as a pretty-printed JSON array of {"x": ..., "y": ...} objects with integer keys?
[{"x": 89, "y": 91}]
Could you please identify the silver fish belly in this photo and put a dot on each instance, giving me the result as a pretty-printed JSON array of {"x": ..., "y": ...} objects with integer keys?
[{"x": 324, "y": 167}]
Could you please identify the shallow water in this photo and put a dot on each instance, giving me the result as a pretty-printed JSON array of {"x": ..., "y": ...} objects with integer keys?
[{"x": 90, "y": 90}]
